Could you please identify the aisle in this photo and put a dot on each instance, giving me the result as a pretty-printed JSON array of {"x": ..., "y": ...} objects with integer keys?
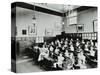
[{"x": 28, "y": 65}]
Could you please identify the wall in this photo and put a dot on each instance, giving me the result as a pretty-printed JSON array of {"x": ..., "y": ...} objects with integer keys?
[
  {"x": 85, "y": 17},
  {"x": 13, "y": 22},
  {"x": 71, "y": 29},
  {"x": 43, "y": 21}
]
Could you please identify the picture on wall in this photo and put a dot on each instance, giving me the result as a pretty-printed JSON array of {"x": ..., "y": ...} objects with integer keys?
[
  {"x": 48, "y": 32},
  {"x": 95, "y": 25},
  {"x": 39, "y": 39},
  {"x": 32, "y": 29},
  {"x": 80, "y": 27},
  {"x": 24, "y": 32}
]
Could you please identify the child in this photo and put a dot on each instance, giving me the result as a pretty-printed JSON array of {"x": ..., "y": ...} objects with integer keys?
[{"x": 59, "y": 61}]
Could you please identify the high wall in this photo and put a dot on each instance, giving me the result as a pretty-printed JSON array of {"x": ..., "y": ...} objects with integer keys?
[
  {"x": 85, "y": 17},
  {"x": 24, "y": 20},
  {"x": 43, "y": 21}
]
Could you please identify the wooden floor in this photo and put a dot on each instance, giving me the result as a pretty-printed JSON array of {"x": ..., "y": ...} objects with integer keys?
[{"x": 27, "y": 65}]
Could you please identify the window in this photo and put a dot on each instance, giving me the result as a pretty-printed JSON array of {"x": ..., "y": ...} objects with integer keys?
[{"x": 72, "y": 17}]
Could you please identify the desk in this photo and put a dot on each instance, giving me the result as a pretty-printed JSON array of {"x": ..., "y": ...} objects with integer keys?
[
  {"x": 48, "y": 63},
  {"x": 91, "y": 61}
]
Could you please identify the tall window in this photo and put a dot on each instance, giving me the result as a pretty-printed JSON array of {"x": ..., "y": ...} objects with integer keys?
[{"x": 72, "y": 17}]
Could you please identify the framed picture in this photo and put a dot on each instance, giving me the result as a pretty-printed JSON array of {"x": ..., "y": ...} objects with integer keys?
[
  {"x": 32, "y": 29},
  {"x": 48, "y": 32},
  {"x": 24, "y": 32},
  {"x": 39, "y": 39},
  {"x": 95, "y": 22},
  {"x": 80, "y": 27}
]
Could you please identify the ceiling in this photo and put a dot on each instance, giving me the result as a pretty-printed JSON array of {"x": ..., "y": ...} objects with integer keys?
[{"x": 56, "y": 7}]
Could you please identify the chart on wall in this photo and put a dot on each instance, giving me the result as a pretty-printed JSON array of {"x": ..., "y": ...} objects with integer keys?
[
  {"x": 95, "y": 23},
  {"x": 32, "y": 29},
  {"x": 48, "y": 32},
  {"x": 39, "y": 39}
]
